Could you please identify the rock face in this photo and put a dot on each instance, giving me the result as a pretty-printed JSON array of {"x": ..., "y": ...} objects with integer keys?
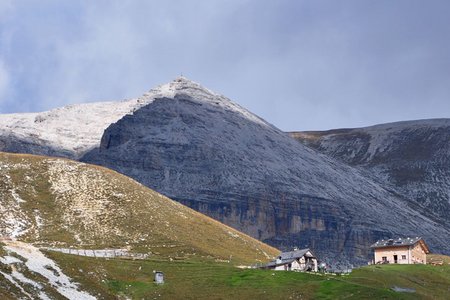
[
  {"x": 411, "y": 158},
  {"x": 205, "y": 151}
]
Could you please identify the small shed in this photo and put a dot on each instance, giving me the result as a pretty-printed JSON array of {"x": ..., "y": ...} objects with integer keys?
[{"x": 159, "y": 277}]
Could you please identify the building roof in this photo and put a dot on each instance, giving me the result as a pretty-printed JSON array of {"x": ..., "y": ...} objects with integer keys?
[
  {"x": 278, "y": 262},
  {"x": 295, "y": 254},
  {"x": 399, "y": 242}
]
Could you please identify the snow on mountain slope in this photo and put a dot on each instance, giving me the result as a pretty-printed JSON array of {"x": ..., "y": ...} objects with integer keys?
[
  {"x": 71, "y": 131},
  {"x": 34, "y": 261},
  {"x": 68, "y": 131}
]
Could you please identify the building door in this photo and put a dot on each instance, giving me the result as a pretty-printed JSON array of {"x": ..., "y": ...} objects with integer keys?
[{"x": 395, "y": 259}]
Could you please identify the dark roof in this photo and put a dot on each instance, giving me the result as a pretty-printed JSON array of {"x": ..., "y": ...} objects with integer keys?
[
  {"x": 294, "y": 254},
  {"x": 396, "y": 242},
  {"x": 278, "y": 263}
]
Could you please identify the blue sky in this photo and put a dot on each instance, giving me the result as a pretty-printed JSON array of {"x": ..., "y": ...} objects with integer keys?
[{"x": 301, "y": 65}]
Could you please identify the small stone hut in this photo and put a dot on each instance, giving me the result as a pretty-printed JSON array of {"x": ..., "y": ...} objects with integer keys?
[{"x": 159, "y": 277}]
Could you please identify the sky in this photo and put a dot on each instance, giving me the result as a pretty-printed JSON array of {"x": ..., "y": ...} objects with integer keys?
[{"x": 300, "y": 65}]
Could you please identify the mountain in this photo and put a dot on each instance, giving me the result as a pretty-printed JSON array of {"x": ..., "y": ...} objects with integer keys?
[
  {"x": 203, "y": 150},
  {"x": 411, "y": 158},
  {"x": 207, "y": 152},
  {"x": 59, "y": 203}
]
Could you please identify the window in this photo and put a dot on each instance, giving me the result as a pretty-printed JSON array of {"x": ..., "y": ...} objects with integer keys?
[
  {"x": 403, "y": 256},
  {"x": 384, "y": 258}
]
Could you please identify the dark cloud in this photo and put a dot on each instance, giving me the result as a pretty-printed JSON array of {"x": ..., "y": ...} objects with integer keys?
[{"x": 298, "y": 64}]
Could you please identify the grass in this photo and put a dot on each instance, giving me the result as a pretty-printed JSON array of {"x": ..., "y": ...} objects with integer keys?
[
  {"x": 92, "y": 207},
  {"x": 206, "y": 279}
]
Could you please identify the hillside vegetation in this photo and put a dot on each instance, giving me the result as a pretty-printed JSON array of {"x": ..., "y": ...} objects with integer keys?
[
  {"x": 61, "y": 203},
  {"x": 210, "y": 280}
]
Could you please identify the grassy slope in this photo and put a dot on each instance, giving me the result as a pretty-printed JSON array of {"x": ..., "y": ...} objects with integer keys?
[
  {"x": 203, "y": 279},
  {"x": 93, "y": 207}
]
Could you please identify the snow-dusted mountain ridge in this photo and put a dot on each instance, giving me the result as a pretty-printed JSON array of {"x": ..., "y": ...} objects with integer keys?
[
  {"x": 72, "y": 130},
  {"x": 203, "y": 150}
]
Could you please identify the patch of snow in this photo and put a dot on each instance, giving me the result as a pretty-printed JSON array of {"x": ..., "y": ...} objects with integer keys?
[
  {"x": 19, "y": 276},
  {"x": 37, "y": 262},
  {"x": 16, "y": 196},
  {"x": 7, "y": 260},
  {"x": 43, "y": 296},
  {"x": 16, "y": 284},
  {"x": 233, "y": 234},
  {"x": 37, "y": 218},
  {"x": 15, "y": 227}
]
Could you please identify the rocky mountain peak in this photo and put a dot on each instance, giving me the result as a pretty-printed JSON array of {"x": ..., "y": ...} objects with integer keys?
[
  {"x": 180, "y": 86},
  {"x": 186, "y": 89}
]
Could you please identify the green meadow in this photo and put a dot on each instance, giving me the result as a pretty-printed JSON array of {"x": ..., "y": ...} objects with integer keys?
[{"x": 206, "y": 279}]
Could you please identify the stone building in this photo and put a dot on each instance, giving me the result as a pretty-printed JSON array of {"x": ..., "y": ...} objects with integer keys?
[
  {"x": 297, "y": 260},
  {"x": 159, "y": 277},
  {"x": 400, "y": 251}
]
